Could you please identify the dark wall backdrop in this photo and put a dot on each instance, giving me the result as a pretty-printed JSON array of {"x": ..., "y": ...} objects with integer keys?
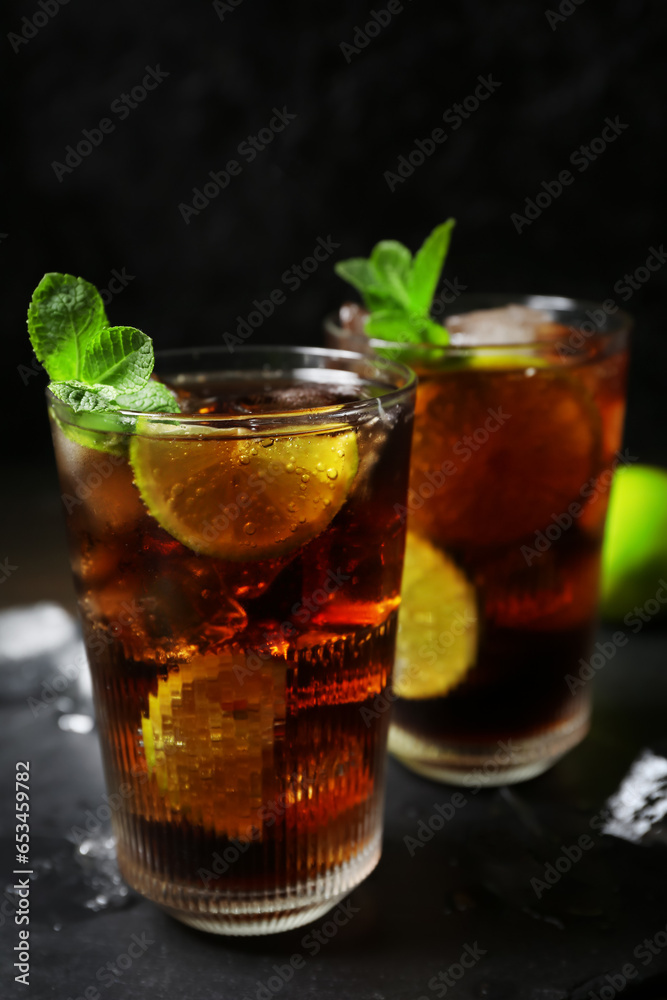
[{"x": 229, "y": 65}]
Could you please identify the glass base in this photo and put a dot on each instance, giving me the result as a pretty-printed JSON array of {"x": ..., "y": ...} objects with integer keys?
[
  {"x": 486, "y": 766},
  {"x": 259, "y": 913}
]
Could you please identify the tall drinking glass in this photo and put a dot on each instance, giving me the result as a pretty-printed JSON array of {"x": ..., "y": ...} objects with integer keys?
[
  {"x": 238, "y": 567},
  {"x": 518, "y": 428}
]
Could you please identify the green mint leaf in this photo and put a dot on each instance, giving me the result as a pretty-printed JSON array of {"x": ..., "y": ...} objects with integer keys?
[
  {"x": 395, "y": 324},
  {"x": 361, "y": 275},
  {"x": 391, "y": 262},
  {"x": 82, "y": 397},
  {"x": 427, "y": 267},
  {"x": 435, "y": 333},
  {"x": 153, "y": 398},
  {"x": 404, "y": 327},
  {"x": 398, "y": 290},
  {"x": 65, "y": 312},
  {"x": 119, "y": 356},
  {"x": 94, "y": 368}
]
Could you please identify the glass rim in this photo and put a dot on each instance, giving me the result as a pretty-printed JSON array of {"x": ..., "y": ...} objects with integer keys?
[
  {"x": 620, "y": 322},
  {"x": 401, "y": 382}
]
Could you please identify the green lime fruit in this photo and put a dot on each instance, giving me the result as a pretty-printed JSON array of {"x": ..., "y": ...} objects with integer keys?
[{"x": 634, "y": 558}]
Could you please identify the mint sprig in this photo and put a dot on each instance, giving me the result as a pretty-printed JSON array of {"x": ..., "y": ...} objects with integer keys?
[
  {"x": 93, "y": 366},
  {"x": 398, "y": 290}
]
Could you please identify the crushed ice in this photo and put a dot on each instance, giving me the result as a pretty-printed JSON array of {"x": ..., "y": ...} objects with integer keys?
[
  {"x": 513, "y": 324},
  {"x": 639, "y": 807},
  {"x": 97, "y": 858}
]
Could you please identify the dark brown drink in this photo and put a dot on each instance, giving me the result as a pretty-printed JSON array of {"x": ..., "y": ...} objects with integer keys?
[{"x": 238, "y": 569}]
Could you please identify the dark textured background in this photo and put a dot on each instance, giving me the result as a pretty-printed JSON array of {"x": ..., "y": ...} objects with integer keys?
[{"x": 324, "y": 174}]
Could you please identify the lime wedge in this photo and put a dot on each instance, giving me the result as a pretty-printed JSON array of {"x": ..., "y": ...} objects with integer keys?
[
  {"x": 437, "y": 632},
  {"x": 244, "y": 499}
]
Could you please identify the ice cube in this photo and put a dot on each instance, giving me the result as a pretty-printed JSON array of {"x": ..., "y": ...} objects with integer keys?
[
  {"x": 353, "y": 317},
  {"x": 513, "y": 324}
]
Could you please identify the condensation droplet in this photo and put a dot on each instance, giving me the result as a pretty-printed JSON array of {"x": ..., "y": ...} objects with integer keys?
[
  {"x": 305, "y": 477},
  {"x": 292, "y": 527},
  {"x": 320, "y": 466},
  {"x": 244, "y": 459},
  {"x": 253, "y": 451},
  {"x": 177, "y": 489},
  {"x": 290, "y": 467},
  {"x": 249, "y": 528},
  {"x": 266, "y": 442},
  {"x": 291, "y": 506},
  {"x": 327, "y": 502},
  {"x": 332, "y": 473},
  {"x": 302, "y": 519}
]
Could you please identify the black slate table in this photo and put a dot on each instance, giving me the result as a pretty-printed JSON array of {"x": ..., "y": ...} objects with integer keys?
[{"x": 465, "y": 912}]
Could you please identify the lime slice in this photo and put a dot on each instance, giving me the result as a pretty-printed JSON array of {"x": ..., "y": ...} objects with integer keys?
[
  {"x": 241, "y": 498},
  {"x": 437, "y": 633},
  {"x": 102, "y": 439},
  {"x": 523, "y": 445},
  {"x": 508, "y": 361},
  {"x": 209, "y": 745}
]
